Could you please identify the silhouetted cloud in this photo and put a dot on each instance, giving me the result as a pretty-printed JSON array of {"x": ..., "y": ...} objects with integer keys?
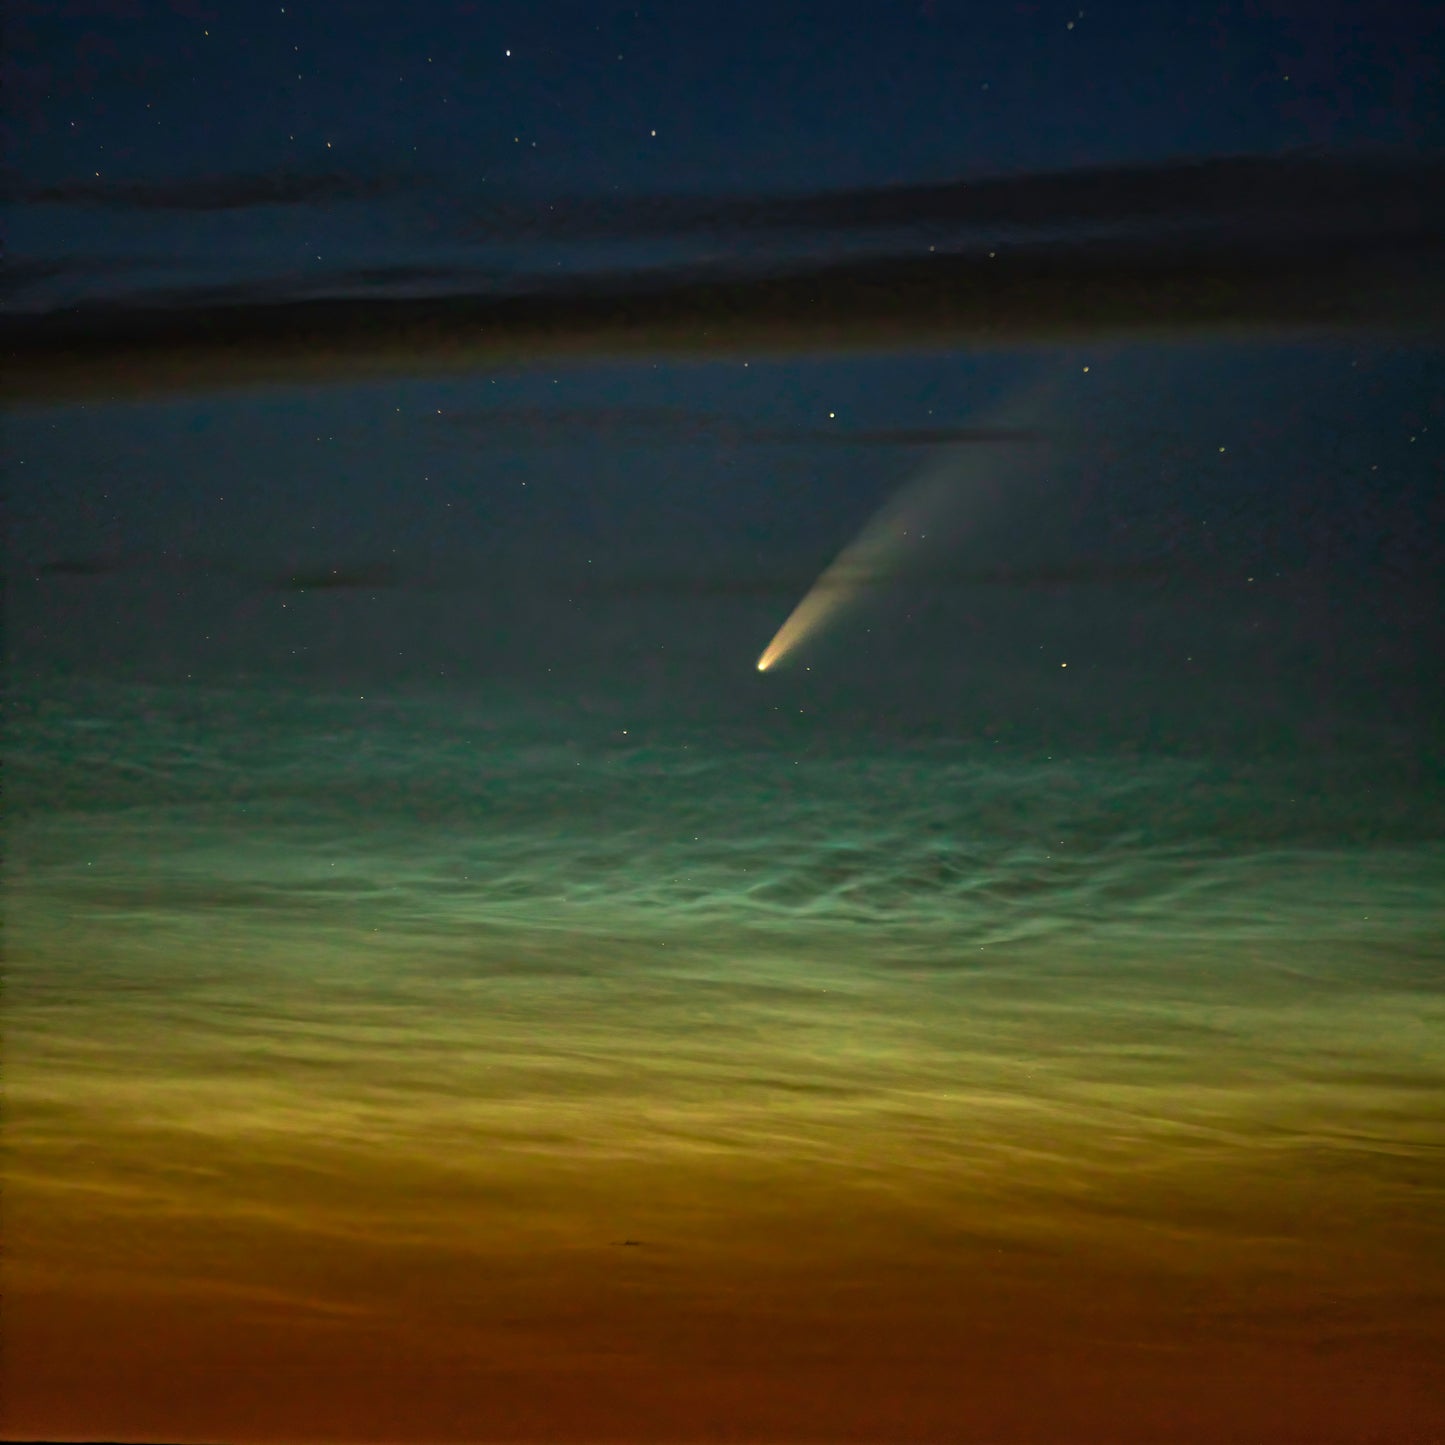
[
  {"x": 408, "y": 274},
  {"x": 268, "y": 290},
  {"x": 1054, "y": 575},
  {"x": 322, "y": 577},
  {"x": 1258, "y": 273},
  {"x": 21, "y": 272},
  {"x": 217, "y": 193},
  {"x": 541, "y": 423},
  {"x": 900, "y": 436},
  {"x": 86, "y": 567},
  {"x": 1291, "y": 195},
  {"x": 367, "y": 576},
  {"x": 461, "y": 575}
]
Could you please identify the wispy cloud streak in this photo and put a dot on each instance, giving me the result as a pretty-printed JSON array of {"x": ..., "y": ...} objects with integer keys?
[{"x": 1256, "y": 267}]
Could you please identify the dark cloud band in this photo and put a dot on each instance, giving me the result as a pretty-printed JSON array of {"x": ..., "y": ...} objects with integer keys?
[{"x": 1247, "y": 277}]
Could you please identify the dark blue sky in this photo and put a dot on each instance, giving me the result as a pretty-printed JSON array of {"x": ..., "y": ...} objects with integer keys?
[
  {"x": 161, "y": 149},
  {"x": 745, "y": 96},
  {"x": 439, "y": 113}
]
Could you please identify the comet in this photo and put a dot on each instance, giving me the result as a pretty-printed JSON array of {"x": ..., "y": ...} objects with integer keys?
[
  {"x": 819, "y": 604},
  {"x": 925, "y": 516}
]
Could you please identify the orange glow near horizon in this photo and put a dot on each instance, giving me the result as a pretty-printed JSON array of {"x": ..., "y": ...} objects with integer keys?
[{"x": 970, "y": 1208}]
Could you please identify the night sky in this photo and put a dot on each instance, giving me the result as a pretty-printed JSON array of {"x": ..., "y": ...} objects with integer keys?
[{"x": 724, "y": 722}]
